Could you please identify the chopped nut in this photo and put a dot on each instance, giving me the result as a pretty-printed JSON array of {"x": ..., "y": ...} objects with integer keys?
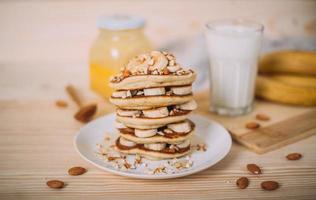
[
  {"x": 126, "y": 73},
  {"x": 159, "y": 170},
  {"x": 112, "y": 158},
  {"x": 201, "y": 147},
  {"x": 138, "y": 159},
  {"x": 165, "y": 71}
]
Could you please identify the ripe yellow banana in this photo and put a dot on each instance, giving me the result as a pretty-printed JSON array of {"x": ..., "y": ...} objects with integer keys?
[
  {"x": 289, "y": 62},
  {"x": 284, "y": 92},
  {"x": 292, "y": 80}
]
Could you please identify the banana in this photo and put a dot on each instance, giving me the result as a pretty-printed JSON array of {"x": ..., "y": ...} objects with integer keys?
[
  {"x": 278, "y": 91},
  {"x": 119, "y": 94},
  {"x": 181, "y": 127},
  {"x": 181, "y": 90},
  {"x": 191, "y": 105},
  {"x": 184, "y": 144},
  {"x": 154, "y": 91},
  {"x": 155, "y": 146},
  {"x": 119, "y": 125},
  {"x": 126, "y": 142},
  {"x": 300, "y": 81},
  {"x": 173, "y": 68},
  {"x": 289, "y": 62},
  {"x": 155, "y": 113},
  {"x": 144, "y": 133},
  {"x": 127, "y": 113}
]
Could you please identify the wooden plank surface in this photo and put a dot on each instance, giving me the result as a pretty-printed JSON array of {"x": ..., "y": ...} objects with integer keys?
[{"x": 44, "y": 46}]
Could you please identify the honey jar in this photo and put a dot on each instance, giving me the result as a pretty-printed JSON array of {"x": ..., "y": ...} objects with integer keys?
[{"x": 120, "y": 38}]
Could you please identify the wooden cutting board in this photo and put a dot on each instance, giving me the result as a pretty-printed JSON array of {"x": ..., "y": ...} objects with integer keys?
[{"x": 288, "y": 124}]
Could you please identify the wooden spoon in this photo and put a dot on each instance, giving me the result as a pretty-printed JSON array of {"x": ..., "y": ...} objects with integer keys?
[{"x": 85, "y": 112}]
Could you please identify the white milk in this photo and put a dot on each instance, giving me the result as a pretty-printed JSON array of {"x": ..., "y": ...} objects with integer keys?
[{"x": 233, "y": 53}]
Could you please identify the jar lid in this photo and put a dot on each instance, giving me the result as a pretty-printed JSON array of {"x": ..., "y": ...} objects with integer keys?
[{"x": 120, "y": 22}]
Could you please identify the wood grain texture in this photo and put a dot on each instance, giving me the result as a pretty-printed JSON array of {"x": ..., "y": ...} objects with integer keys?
[{"x": 36, "y": 145}]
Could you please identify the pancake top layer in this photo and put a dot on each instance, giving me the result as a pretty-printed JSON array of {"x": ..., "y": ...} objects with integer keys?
[{"x": 156, "y": 67}]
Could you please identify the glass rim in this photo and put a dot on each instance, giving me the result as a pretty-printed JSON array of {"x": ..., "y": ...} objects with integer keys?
[{"x": 213, "y": 24}]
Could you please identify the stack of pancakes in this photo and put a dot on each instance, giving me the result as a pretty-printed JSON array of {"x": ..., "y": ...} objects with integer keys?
[{"x": 153, "y": 95}]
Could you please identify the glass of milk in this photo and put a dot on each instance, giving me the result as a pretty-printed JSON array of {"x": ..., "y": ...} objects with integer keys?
[{"x": 233, "y": 48}]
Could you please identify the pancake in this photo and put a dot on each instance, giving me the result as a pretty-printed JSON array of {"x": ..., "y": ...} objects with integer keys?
[
  {"x": 148, "y": 123},
  {"x": 171, "y": 137},
  {"x": 148, "y": 81},
  {"x": 147, "y": 102},
  {"x": 162, "y": 154}
]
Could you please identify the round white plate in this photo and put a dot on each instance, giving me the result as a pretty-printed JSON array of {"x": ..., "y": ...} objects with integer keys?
[{"x": 217, "y": 139}]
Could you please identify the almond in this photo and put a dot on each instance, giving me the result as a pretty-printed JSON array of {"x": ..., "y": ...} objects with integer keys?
[
  {"x": 56, "y": 184},
  {"x": 242, "y": 182},
  {"x": 269, "y": 185},
  {"x": 262, "y": 117},
  {"x": 294, "y": 156},
  {"x": 165, "y": 71},
  {"x": 75, "y": 171},
  {"x": 252, "y": 125},
  {"x": 254, "y": 169},
  {"x": 61, "y": 103},
  {"x": 126, "y": 73}
]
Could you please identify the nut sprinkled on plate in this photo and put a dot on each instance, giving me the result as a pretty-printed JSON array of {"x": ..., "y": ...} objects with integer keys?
[{"x": 201, "y": 147}]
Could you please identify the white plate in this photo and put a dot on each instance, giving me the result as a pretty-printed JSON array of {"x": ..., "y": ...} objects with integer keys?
[{"x": 216, "y": 138}]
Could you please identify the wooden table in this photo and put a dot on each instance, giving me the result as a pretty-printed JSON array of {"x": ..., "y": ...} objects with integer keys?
[{"x": 41, "y": 53}]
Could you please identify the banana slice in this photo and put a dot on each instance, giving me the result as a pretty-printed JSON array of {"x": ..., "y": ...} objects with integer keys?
[
  {"x": 154, "y": 91},
  {"x": 191, "y": 105},
  {"x": 174, "y": 68},
  {"x": 158, "y": 112},
  {"x": 182, "y": 90},
  {"x": 181, "y": 127},
  {"x": 184, "y": 144},
  {"x": 119, "y": 125},
  {"x": 159, "y": 61},
  {"x": 126, "y": 142},
  {"x": 127, "y": 113},
  {"x": 119, "y": 94},
  {"x": 155, "y": 146},
  {"x": 144, "y": 133}
]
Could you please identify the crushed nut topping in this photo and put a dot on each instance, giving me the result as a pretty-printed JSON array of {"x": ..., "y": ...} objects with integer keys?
[{"x": 201, "y": 147}]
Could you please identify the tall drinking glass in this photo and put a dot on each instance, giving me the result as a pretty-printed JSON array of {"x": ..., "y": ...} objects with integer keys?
[{"x": 233, "y": 47}]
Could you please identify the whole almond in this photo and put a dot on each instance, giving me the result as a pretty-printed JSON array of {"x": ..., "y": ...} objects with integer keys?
[
  {"x": 56, "y": 184},
  {"x": 165, "y": 71},
  {"x": 294, "y": 156},
  {"x": 242, "y": 182},
  {"x": 75, "y": 171},
  {"x": 126, "y": 73},
  {"x": 61, "y": 103},
  {"x": 269, "y": 185},
  {"x": 254, "y": 169},
  {"x": 262, "y": 117},
  {"x": 252, "y": 125}
]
